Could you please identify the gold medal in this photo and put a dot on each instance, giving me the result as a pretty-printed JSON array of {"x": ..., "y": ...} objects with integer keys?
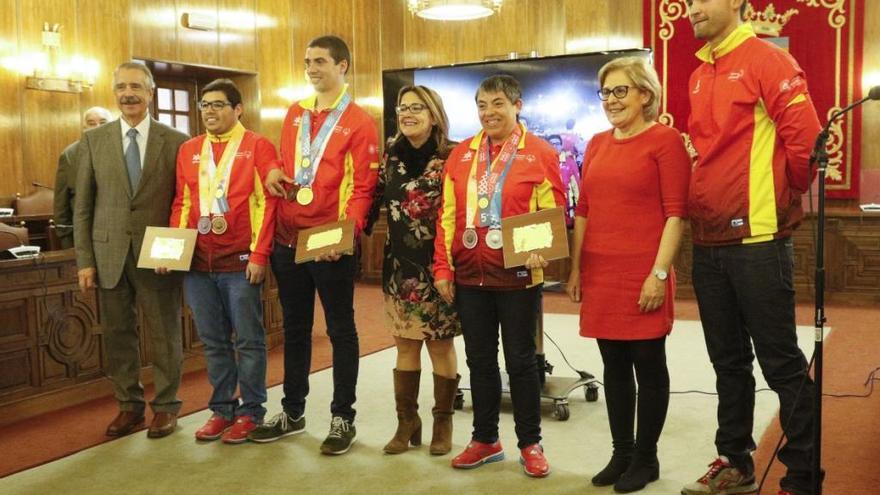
[
  {"x": 483, "y": 203},
  {"x": 305, "y": 196},
  {"x": 305, "y": 163},
  {"x": 219, "y": 225}
]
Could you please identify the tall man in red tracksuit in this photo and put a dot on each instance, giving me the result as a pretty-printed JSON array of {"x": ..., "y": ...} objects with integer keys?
[
  {"x": 752, "y": 124},
  {"x": 330, "y": 169},
  {"x": 220, "y": 192}
]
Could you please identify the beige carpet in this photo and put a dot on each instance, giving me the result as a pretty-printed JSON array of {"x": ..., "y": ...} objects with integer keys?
[{"x": 576, "y": 448}]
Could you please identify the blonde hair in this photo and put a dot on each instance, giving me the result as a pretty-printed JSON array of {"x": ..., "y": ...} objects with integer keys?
[
  {"x": 643, "y": 77},
  {"x": 440, "y": 129}
]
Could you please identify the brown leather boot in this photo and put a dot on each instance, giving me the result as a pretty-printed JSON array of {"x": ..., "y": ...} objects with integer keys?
[
  {"x": 409, "y": 425},
  {"x": 445, "y": 390}
]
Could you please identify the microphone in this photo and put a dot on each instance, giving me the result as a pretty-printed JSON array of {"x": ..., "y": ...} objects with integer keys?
[
  {"x": 44, "y": 186},
  {"x": 819, "y": 153}
]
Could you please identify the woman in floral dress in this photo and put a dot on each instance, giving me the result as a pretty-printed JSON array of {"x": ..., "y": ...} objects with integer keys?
[{"x": 409, "y": 188}]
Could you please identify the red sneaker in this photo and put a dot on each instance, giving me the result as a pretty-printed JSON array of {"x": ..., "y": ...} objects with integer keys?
[
  {"x": 213, "y": 429},
  {"x": 239, "y": 431},
  {"x": 478, "y": 453},
  {"x": 533, "y": 461}
]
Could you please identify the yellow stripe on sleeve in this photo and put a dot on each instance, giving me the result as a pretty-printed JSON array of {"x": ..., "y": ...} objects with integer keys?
[
  {"x": 762, "y": 192},
  {"x": 257, "y": 210},
  {"x": 447, "y": 218},
  {"x": 346, "y": 185},
  {"x": 183, "y": 222}
]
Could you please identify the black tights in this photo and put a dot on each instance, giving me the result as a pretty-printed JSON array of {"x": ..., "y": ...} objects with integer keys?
[{"x": 648, "y": 357}]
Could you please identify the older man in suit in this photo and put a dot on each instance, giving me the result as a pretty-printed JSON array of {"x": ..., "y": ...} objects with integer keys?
[
  {"x": 125, "y": 182},
  {"x": 65, "y": 177}
]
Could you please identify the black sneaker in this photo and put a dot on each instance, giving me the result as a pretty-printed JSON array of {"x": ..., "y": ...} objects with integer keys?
[
  {"x": 342, "y": 435},
  {"x": 279, "y": 426}
]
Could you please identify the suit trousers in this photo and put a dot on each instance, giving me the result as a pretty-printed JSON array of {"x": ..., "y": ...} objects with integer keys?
[{"x": 161, "y": 311}]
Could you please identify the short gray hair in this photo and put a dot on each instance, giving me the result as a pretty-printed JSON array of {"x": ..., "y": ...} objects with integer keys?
[
  {"x": 501, "y": 83},
  {"x": 136, "y": 66},
  {"x": 642, "y": 75}
]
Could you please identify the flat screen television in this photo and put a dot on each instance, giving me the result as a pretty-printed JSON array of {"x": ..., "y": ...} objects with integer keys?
[{"x": 559, "y": 100}]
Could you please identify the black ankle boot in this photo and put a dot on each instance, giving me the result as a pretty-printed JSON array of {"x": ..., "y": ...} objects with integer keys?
[
  {"x": 616, "y": 466},
  {"x": 643, "y": 470}
]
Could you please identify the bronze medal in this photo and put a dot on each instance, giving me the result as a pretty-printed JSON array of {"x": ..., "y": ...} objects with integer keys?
[
  {"x": 204, "y": 225},
  {"x": 494, "y": 239},
  {"x": 469, "y": 238},
  {"x": 219, "y": 225},
  {"x": 305, "y": 196}
]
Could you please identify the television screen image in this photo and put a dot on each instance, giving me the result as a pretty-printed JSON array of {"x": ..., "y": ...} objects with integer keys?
[{"x": 560, "y": 103}]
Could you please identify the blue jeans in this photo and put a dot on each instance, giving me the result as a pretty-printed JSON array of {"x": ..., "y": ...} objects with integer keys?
[
  {"x": 746, "y": 297},
  {"x": 334, "y": 283},
  {"x": 221, "y": 302}
]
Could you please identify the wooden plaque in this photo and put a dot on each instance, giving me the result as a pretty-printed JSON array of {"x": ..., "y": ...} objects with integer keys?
[
  {"x": 168, "y": 247},
  {"x": 320, "y": 240},
  {"x": 542, "y": 232}
]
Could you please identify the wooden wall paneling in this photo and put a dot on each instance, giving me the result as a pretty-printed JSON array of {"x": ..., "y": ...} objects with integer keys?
[
  {"x": 625, "y": 24},
  {"x": 104, "y": 35},
  {"x": 12, "y": 86},
  {"x": 274, "y": 59},
  {"x": 548, "y": 22},
  {"x": 367, "y": 74},
  {"x": 508, "y": 30},
  {"x": 193, "y": 46},
  {"x": 392, "y": 39},
  {"x": 587, "y": 25},
  {"x": 237, "y": 34},
  {"x": 154, "y": 29},
  {"x": 250, "y": 94},
  {"x": 50, "y": 119}
]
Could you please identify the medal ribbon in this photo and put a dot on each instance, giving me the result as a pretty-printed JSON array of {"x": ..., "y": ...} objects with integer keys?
[
  {"x": 490, "y": 184},
  {"x": 213, "y": 177},
  {"x": 314, "y": 149}
]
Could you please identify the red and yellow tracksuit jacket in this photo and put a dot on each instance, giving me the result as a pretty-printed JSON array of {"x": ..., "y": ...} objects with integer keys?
[
  {"x": 533, "y": 183},
  {"x": 753, "y": 126},
  {"x": 347, "y": 174},
  {"x": 251, "y": 216}
]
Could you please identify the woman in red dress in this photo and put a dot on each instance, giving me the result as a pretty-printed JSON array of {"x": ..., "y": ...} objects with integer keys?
[{"x": 628, "y": 228}]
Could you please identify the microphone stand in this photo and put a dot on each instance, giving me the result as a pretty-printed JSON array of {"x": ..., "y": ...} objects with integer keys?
[{"x": 820, "y": 158}]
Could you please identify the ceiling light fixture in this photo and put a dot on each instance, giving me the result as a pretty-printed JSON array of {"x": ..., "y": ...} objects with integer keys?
[{"x": 453, "y": 10}]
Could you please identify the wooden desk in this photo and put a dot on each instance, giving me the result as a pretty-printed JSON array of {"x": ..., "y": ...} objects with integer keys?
[{"x": 51, "y": 353}]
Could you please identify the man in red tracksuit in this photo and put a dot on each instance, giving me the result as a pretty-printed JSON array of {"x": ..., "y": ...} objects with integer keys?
[
  {"x": 330, "y": 169},
  {"x": 752, "y": 125},
  {"x": 220, "y": 192}
]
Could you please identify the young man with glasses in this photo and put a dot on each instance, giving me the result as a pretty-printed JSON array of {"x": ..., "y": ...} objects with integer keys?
[
  {"x": 220, "y": 193},
  {"x": 329, "y": 171}
]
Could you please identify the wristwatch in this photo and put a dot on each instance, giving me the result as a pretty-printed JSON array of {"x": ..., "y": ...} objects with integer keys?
[{"x": 660, "y": 274}]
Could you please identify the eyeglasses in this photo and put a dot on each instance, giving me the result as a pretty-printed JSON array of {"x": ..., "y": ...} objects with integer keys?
[
  {"x": 619, "y": 92},
  {"x": 215, "y": 105},
  {"x": 413, "y": 108}
]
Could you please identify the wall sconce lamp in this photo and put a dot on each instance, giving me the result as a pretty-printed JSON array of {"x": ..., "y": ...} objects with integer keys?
[
  {"x": 198, "y": 21},
  {"x": 46, "y": 70}
]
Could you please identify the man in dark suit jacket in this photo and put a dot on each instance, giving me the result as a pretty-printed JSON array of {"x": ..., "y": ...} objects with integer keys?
[
  {"x": 65, "y": 178},
  {"x": 126, "y": 182}
]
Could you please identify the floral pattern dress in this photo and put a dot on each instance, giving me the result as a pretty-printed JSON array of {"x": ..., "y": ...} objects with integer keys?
[{"x": 410, "y": 184}]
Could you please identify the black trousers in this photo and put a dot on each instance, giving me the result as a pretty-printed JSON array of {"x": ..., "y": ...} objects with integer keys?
[
  {"x": 648, "y": 359},
  {"x": 334, "y": 283},
  {"x": 481, "y": 312},
  {"x": 746, "y": 298}
]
